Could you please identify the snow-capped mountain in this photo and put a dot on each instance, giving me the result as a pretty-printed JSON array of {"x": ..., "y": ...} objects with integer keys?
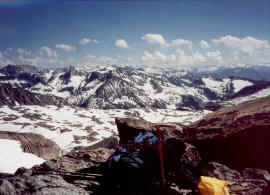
[
  {"x": 253, "y": 72},
  {"x": 115, "y": 87}
]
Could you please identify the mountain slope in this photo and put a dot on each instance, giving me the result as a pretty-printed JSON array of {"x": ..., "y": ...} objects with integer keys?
[
  {"x": 19, "y": 96},
  {"x": 115, "y": 87}
]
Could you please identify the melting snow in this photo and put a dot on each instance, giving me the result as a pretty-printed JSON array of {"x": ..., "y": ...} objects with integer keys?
[
  {"x": 70, "y": 127},
  {"x": 12, "y": 157},
  {"x": 259, "y": 94},
  {"x": 240, "y": 84},
  {"x": 216, "y": 86}
]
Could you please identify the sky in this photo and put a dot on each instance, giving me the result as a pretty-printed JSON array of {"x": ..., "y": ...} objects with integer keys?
[{"x": 169, "y": 33}]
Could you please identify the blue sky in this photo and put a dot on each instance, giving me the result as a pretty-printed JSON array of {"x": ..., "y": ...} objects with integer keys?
[{"x": 175, "y": 33}]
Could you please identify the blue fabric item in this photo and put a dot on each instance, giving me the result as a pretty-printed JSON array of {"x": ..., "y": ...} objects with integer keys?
[
  {"x": 116, "y": 158},
  {"x": 149, "y": 137},
  {"x": 133, "y": 160},
  {"x": 139, "y": 138},
  {"x": 123, "y": 150}
]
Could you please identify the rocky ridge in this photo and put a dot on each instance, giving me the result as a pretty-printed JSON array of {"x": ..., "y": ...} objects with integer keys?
[{"x": 18, "y": 96}]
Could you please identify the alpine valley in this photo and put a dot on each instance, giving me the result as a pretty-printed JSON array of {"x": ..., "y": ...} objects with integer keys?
[{"x": 49, "y": 113}]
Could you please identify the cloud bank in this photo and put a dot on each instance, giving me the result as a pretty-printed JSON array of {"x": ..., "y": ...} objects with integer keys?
[
  {"x": 86, "y": 41},
  {"x": 155, "y": 39},
  {"x": 204, "y": 44},
  {"x": 65, "y": 47},
  {"x": 222, "y": 51},
  {"x": 121, "y": 43},
  {"x": 246, "y": 45}
]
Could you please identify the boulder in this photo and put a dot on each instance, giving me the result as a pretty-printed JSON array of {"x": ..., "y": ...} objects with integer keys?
[
  {"x": 256, "y": 174},
  {"x": 237, "y": 136},
  {"x": 238, "y": 184},
  {"x": 34, "y": 143},
  {"x": 129, "y": 128},
  {"x": 109, "y": 143},
  {"x": 38, "y": 185}
]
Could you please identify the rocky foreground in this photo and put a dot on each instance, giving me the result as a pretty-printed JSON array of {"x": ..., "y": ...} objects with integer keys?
[{"x": 230, "y": 144}]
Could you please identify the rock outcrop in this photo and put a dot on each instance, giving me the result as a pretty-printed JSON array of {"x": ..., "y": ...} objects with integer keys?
[
  {"x": 34, "y": 143},
  {"x": 129, "y": 128},
  {"x": 237, "y": 136},
  {"x": 13, "y": 96},
  {"x": 38, "y": 185},
  {"x": 78, "y": 172},
  {"x": 82, "y": 170},
  {"x": 239, "y": 184}
]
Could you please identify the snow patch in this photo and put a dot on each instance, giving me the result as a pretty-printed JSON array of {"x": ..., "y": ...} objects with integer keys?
[
  {"x": 12, "y": 157},
  {"x": 219, "y": 87},
  {"x": 259, "y": 94},
  {"x": 240, "y": 84}
]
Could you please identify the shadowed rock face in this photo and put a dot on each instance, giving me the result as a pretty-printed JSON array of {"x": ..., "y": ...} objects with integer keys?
[
  {"x": 12, "y": 96},
  {"x": 237, "y": 136},
  {"x": 129, "y": 128},
  {"x": 35, "y": 144},
  {"x": 248, "y": 148}
]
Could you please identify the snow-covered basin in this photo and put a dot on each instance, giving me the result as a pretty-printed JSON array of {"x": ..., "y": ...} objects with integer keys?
[
  {"x": 12, "y": 157},
  {"x": 64, "y": 125}
]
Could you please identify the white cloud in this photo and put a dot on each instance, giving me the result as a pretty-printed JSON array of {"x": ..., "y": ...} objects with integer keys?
[
  {"x": 97, "y": 60},
  {"x": 86, "y": 41},
  {"x": 180, "y": 42},
  {"x": 147, "y": 56},
  {"x": 121, "y": 43},
  {"x": 155, "y": 39},
  {"x": 246, "y": 45},
  {"x": 1, "y": 54},
  {"x": 161, "y": 56},
  {"x": 24, "y": 52},
  {"x": 46, "y": 51},
  {"x": 182, "y": 58},
  {"x": 178, "y": 58},
  {"x": 215, "y": 56},
  {"x": 193, "y": 59},
  {"x": 204, "y": 44},
  {"x": 156, "y": 56},
  {"x": 65, "y": 47}
]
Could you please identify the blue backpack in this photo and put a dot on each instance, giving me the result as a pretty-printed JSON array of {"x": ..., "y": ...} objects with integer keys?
[{"x": 125, "y": 158}]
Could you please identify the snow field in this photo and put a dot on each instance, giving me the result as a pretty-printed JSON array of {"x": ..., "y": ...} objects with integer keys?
[{"x": 64, "y": 125}]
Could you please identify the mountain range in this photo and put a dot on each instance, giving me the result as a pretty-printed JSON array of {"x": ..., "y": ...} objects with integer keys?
[{"x": 115, "y": 87}]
